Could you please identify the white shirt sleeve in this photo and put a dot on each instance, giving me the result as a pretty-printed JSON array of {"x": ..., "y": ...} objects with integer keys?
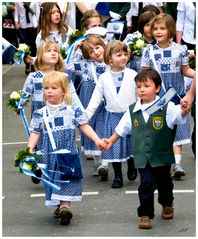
[
  {"x": 174, "y": 116},
  {"x": 124, "y": 127}
]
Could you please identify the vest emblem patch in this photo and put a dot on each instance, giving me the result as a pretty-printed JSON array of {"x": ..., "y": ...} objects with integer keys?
[
  {"x": 135, "y": 122},
  {"x": 157, "y": 122}
]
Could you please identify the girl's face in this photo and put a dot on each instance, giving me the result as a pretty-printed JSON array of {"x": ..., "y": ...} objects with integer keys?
[
  {"x": 50, "y": 56},
  {"x": 119, "y": 60},
  {"x": 147, "y": 91},
  {"x": 94, "y": 22},
  {"x": 146, "y": 30},
  {"x": 53, "y": 94},
  {"x": 160, "y": 33},
  {"x": 55, "y": 15},
  {"x": 96, "y": 53}
]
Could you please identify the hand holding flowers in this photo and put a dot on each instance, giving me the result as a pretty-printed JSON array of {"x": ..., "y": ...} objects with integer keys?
[
  {"x": 22, "y": 52},
  {"x": 14, "y": 99},
  {"x": 26, "y": 160}
]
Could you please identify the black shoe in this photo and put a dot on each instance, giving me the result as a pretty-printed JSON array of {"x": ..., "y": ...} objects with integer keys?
[
  {"x": 38, "y": 173},
  {"x": 132, "y": 174},
  {"x": 65, "y": 216},
  {"x": 117, "y": 183}
]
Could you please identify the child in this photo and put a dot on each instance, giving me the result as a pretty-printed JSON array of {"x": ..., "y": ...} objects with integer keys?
[
  {"x": 143, "y": 31},
  {"x": 90, "y": 68},
  {"x": 171, "y": 61},
  {"x": 117, "y": 87},
  {"x": 153, "y": 155},
  {"x": 51, "y": 25},
  {"x": 63, "y": 118},
  {"x": 48, "y": 60}
]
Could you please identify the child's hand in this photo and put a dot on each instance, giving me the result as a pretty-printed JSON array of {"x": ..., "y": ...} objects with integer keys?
[
  {"x": 108, "y": 143},
  {"x": 28, "y": 59},
  {"x": 101, "y": 144}
]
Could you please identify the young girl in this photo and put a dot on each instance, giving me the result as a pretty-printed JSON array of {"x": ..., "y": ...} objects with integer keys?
[
  {"x": 63, "y": 118},
  {"x": 143, "y": 31},
  {"x": 52, "y": 25},
  {"x": 152, "y": 154},
  {"x": 171, "y": 61},
  {"x": 90, "y": 68},
  {"x": 117, "y": 87},
  {"x": 48, "y": 59}
]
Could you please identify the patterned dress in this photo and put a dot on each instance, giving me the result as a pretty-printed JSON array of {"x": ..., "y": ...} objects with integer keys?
[
  {"x": 63, "y": 125},
  {"x": 90, "y": 72},
  {"x": 168, "y": 63}
]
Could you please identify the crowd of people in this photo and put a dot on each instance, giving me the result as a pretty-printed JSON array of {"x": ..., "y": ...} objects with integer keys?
[{"x": 112, "y": 94}]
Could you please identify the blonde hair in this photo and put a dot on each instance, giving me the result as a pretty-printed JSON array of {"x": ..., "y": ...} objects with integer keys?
[
  {"x": 39, "y": 63},
  {"x": 94, "y": 40},
  {"x": 59, "y": 79},
  {"x": 169, "y": 23},
  {"x": 114, "y": 47}
]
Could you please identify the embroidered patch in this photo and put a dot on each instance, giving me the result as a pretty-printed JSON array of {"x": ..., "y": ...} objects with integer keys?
[
  {"x": 157, "y": 122},
  {"x": 135, "y": 122}
]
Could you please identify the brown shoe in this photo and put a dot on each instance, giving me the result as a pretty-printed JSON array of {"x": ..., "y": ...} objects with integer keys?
[
  {"x": 167, "y": 212},
  {"x": 145, "y": 222},
  {"x": 56, "y": 213},
  {"x": 65, "y": 216}
]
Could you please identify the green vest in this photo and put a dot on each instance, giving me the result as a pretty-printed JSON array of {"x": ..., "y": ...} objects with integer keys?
[{"x": 152, "y": 141}]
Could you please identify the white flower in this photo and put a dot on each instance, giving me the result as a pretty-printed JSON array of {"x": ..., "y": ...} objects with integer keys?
[
  {"x": 15, "y": 95},
  {"x": 27, "y": 166},
  {"x": 139, "y": 44},
  {"x": 23, "y": 47}
]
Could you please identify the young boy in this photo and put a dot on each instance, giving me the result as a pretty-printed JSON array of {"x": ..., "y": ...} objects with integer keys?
[{"x": 152, "y": 137}]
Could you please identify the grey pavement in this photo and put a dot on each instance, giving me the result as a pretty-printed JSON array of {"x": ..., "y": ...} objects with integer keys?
[{"x": 104, "y": 212}]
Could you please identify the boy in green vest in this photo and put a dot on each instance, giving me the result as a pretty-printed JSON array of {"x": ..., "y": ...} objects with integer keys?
[{"x": 152, "y": 138}]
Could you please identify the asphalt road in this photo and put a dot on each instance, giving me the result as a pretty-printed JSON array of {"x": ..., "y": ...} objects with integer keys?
[{"x": 104, "y": 212}]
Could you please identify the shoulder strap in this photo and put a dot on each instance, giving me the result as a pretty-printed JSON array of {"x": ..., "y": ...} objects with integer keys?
[
  {"x": 48, "y": 128},
  {"x": 155, "y": 64}
]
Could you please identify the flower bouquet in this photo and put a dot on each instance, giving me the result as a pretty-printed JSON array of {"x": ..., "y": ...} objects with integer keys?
[
  {"x": 136, "y": 46},
  {"x": 74, "y": 36},
  {"x": 26, "y": 160},
  {"x": 22, "y": 51},
  {"x": 14, "y": 99}
]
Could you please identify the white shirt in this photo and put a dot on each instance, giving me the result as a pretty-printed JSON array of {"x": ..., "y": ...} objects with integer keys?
[
  {"x": 173, "y": 117},
  {"x": 186, "y": 21}
]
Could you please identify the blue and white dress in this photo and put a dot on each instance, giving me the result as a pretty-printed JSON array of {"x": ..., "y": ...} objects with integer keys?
[
  {"x": 33, "y": 88},
  {"x": 168, "y": 62},
  {"x": 90, "y": 72},
  {"x": 63, "y": 126},
  {"x": 119, "y": 91}
]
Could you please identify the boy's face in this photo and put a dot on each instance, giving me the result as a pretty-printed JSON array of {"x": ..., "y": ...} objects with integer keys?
[
  {"x": 96, "y": 53},
  {"x": 147, "y": 90}
]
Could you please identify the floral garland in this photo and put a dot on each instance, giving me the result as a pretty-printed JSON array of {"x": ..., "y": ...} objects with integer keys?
[
  {"x": 24, "y": 158},
  {"x": 22, "y": 51},
  {"x": 14, "y": 99}
]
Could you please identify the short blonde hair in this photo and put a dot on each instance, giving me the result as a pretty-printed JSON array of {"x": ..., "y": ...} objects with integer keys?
[
  {"x": 59, "y": 79},
  {"x": 39, "y": 63},
  {"x": 114, "y": 47},
  {"x": 94, "y": 40},
  {"x": 169, "y": 23}
]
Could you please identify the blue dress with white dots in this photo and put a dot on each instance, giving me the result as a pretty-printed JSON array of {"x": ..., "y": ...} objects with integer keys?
[
  {"x": 63, "y": 126},
  {"x": 169, "y": 62}
]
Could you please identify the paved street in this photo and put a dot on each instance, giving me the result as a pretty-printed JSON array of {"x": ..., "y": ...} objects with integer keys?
[{"x": 104, "y": 212}]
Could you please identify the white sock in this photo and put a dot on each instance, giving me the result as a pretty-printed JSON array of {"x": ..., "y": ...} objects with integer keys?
[
  {"x": 97, "y": 159},
  {"x": 178, "y": 158},
  {"x": 105, "y": 163}
]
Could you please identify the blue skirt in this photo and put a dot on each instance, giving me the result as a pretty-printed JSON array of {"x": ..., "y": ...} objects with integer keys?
[{"x": 121, "y": 150}]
